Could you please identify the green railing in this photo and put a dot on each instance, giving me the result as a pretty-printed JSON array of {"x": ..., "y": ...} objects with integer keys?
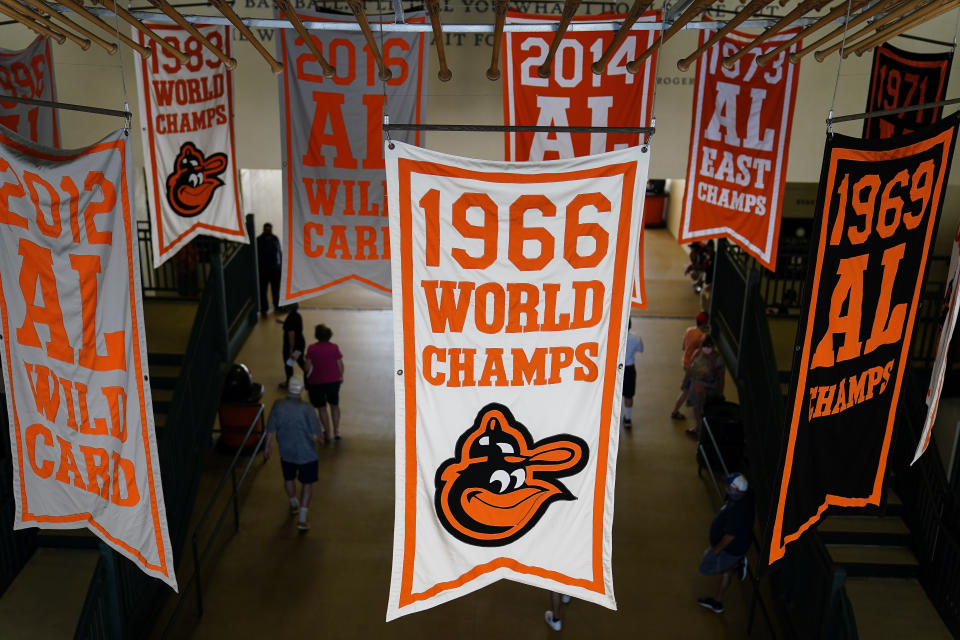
[{"x": 122, "y": 602}]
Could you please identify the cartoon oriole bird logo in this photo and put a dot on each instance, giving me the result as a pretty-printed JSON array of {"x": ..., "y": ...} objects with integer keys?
[
  {"x": 194, "y": 179},
  {"x": 501, "y": 482}
]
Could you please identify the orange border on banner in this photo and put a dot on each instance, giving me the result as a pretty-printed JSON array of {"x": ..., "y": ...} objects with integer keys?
[
  {"x": 117, "y": 146},
  {"x": 779, "y": 541},
  {"x": 405, "y": 169}
]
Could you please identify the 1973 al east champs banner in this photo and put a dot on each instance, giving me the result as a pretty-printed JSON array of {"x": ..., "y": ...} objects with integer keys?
[
  {"x": 511, "y": 293},
  {"x": 876, "y": 218},
  {"x": 28, "y": 73},
  {"x": 575, "y": 96},
  {"x": 332, "y": 138},
  {"x": 737, "y": 167},
  {"x": 186, "y": 113},
  {"x": 901, "y": 78},
  {"x": 74, "y": 359}
]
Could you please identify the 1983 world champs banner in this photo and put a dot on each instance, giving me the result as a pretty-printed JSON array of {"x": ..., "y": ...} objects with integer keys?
[
  {"x": 29, "y": 74},
  {"x": 74, "y": 359},
  {"x": 876, "y": 217},
  {"x": 510, "y": 296},
  {"x": 737, "y": 166},
  {"x": 188, "y": 150},
  {"x": 901, "y": 78},
  {"x": 333, "y": 172},
  {"x": 575, "y": 96}
]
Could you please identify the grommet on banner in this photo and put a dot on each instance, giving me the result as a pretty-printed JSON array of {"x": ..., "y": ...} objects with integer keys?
[{"x": 399, "y": 372}]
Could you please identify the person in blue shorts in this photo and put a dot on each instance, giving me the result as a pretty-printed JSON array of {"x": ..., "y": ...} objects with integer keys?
[{"x": 730, "y": 535}]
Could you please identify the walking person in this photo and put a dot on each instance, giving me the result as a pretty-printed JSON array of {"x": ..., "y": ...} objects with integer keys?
[
  {"x": 692, "y": 338},
  {"x": 633, "y": 348},
  {"x": 296, "y": 429},
  {"x": 552, "y": 616},
  {"x": 324, "y": 377},
  {"x": 294, "y": 344},
  {"x": 269, "y": 259},
  {"x": 704, "y": 380},
  {"x": 731, "y": 532}
]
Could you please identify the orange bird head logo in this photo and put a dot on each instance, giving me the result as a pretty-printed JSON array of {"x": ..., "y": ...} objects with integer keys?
[
  {"x": 501, "y": 482},
  {"x": 194, "y": 179}
]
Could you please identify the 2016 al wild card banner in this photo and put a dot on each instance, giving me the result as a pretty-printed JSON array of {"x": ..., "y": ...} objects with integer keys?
[
  {"x": 876, "y": 217},
  {"x": 511, "y": 294},
  {"x": 333, "y": 173},
  {"x": 29, "y": 74},
  {"x": 74, "y": 359},
  {"x": 737, "y": 166},
  {"x": 901, "y": 78},
  {"x": 948, "y": 322},
  {"x": 186, "y": 113},
  {"x": 574, "y": 95}
]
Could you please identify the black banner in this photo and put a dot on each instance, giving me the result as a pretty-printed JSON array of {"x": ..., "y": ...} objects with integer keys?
[
  {"x": 902, "y": 79},
  {"x": 877, "y": 211}
]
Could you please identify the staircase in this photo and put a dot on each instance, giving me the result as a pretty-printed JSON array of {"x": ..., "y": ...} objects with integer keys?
[{"x": 164, "y": 372}]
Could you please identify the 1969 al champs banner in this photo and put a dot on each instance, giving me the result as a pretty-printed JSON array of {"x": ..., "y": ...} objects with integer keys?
[
  {"x": 573, "y": 95},
  {"x": 901, "y": 78},
  {"x": 28, "y": 73},
  {"x": 876, "y": 218},
  {"x": 737, "y": 166},
  {"x": 334, "y": 185},
  {"x": 511, "y": 293},
  {"x": 186, "y": 112},
  {"x": 74, "y": 358}
]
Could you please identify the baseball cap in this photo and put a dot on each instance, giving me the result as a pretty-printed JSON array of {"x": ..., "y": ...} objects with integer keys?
[
  {"x": 295, "y": 386},
  {"x": 736, "y": 481},
  {"x": 702, "y": 318}
]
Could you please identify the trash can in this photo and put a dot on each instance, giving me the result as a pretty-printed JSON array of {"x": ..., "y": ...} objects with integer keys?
[{"x": 239, "y": 404}]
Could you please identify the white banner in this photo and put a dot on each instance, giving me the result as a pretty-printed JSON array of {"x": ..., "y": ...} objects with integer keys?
[
  {"x": 186, "y": 113},
  {"x": 948, "y": 322},
  {"x": 74, "y": 358},
  {"x": 511, "y": 290},
  {"x": 28, "y": 73}
]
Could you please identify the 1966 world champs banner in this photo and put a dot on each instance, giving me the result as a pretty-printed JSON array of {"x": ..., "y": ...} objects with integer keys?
[
  {"x": 511, "y": 291},
  {"x": 332, "y": 138},
  {"x": 72, "y": 343},
  {"x": 739, "y": 141},
  {"x": 186, "y": 112},
  {"x": 876, "y": 218}
]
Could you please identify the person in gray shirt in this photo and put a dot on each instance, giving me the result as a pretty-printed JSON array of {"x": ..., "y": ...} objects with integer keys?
[{"x": 296, "y": 428}]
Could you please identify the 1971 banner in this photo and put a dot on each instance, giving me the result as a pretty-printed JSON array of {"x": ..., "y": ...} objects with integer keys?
[
  {"x": 510, "y": 297},
  {"x": 901, "y": 78},
  {"x": 74, "y": 358},
  {"x": 737, "y": 166},
  {"x": 187, "y": 129},
  {"x": 333, "y": 173},
  {"x": 876, "y": 218},
  {"x": 29, "y": 74},
  {"x": 575, "y": 96}
]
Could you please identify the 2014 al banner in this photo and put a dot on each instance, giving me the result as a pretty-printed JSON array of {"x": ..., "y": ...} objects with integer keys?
[
  {"x": 334, "y": 201},
  {"x": 511, "y": 293},
  {"x": 876, "y": 218},
  {"x": 74, "y": 357}
]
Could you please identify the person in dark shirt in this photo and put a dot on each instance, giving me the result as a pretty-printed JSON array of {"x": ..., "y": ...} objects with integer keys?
[
  {"x": 268, "y": 262},
  {"x": 294, "y": 344},
  {"x": 730, "y": 535}
]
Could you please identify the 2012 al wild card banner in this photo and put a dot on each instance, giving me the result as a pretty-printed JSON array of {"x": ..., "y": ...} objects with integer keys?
[
  {"x": 333, "y": 172},
  {"x": 74, "y": 358},
  {"x": 739, "y": 142},
  {"x": 876, "y": 218},
  {"x": 901, "y": 78},
  {"x": 948, "y": 323},
  {"x": 186, "y": 112},
  {"x": 511, "y": 293},
  {"x": 573, "y": 95},
  {"x": 28, "y": 73}
]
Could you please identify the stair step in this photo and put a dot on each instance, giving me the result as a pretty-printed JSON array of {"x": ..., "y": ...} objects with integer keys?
[
  {"x": 865, "y": 530},
  {"x": 894, "y": 608},
  {"x": 67, "y": 539},
  {"x": 875, "y": 561},
  {"x": 165, "y": 359}
]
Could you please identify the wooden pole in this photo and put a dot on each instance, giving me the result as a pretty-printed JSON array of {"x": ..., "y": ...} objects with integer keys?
[
  {"x": 854, "y": 21},
  {"x": 36, "y": 27},
  {"x": 691, "y": 12},
  {"x": 898, "y": 11},
  {"x": 287, "y": 9},
  {"x": 127, "y": 17},
  {"x": 80, "y": 10},
  {"x": 433, "y": 10},
  {"x": 109, "y": 47},
  {"x": 838, "y": 11},
  {"x": 636, "y": 10},
  {"x": 360, "y": 13},
  {"x": 500, "y": 18},
  {"x": 224, "y": 8},
  {"x": 164, "y": 6},
  {"x": 751, "y": 8},
  {"x": 569, "y": 10},
  {"x": 36, "y": 16},
  {"x": 928, "y": 12},
  {"x": 803, "y": 8}
]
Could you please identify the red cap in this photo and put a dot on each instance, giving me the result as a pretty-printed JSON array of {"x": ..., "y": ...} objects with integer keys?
[{"x": 702, "y": 318}]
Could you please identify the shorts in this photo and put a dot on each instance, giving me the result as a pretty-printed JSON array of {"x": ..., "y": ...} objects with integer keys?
[
  {"x": 629, "y": 380},
  {"x": 714, "y": 563},
  {"x": 321, "y": 394},
  {"x": 307, "y": 472}
]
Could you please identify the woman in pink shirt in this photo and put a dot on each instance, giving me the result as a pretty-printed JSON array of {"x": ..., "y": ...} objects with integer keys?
[{"x": 324, "y": 376}]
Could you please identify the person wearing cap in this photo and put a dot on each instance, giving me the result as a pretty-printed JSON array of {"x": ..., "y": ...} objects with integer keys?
[
  {"x": 692, "y": 339},
  {"x": 731, "y": 532},
  {"x": 296, "y": 428}
]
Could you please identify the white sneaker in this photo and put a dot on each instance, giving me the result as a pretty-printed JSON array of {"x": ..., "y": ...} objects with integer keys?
[
  {"x": 556, "y": 625},
  {"x": 303, "y": 525},
  {"x": 565, "y": 599}
]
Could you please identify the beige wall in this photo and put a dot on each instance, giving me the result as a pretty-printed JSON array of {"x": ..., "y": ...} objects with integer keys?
[{"x": 93, "y": 77}]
